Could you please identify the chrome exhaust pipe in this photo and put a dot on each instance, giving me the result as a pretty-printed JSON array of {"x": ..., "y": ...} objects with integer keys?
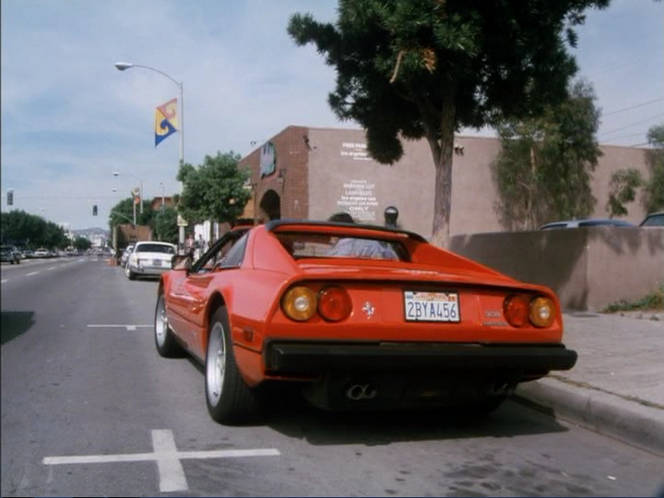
[{"x": 357, "y": 392}]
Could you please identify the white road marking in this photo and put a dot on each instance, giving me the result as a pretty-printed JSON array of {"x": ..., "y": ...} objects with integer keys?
[
  {"x": 31, "y": 273},
  {"x": 51, "y": 268},
  {"x": 129, "y": 327},
  {"x": 170, "y": 470},
  {"x": 4, "y": 281},
  {"x": 171, "y": 473}
]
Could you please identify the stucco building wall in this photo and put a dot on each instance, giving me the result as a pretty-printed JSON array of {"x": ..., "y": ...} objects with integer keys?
[
  {"x": 342, "y": 177},
  {"x": 321, "y": 171}
]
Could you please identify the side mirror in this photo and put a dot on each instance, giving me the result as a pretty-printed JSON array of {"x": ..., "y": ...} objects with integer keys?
[{"x": 181, "y": 262}]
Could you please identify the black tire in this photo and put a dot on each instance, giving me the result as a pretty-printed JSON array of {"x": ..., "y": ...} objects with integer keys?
[
  {"x": 130, "y": 274},
  {"x": 235, "y": 402},
  {"x": 164, "y": 339}
]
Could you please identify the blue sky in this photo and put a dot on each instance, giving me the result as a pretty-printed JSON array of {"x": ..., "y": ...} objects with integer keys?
[{"x": 70, "y": 119}]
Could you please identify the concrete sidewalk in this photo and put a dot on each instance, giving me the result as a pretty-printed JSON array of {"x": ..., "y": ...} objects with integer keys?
[{"x": 617, "y": 385}]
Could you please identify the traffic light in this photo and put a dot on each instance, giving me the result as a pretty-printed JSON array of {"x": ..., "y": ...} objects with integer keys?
[
  {"x": 10, "y": 197},
  {"x": 94, "y": 210}
]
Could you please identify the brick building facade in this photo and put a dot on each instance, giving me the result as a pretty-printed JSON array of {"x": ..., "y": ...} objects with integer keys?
[{"x": 311, "y": 173}]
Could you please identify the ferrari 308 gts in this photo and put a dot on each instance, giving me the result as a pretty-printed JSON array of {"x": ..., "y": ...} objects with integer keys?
[{"x": 362, "y": 317}]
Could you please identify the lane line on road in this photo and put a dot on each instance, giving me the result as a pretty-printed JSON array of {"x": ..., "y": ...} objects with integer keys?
[
  {"x": 129, "y": 327},
  {"x": 165, "y": 454},
  {"x": 4, "y": 281},
  {"x": 31, "y": 273}
]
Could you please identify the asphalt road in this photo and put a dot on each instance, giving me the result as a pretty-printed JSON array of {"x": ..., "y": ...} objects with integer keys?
[{"x": 89, "y": 408}]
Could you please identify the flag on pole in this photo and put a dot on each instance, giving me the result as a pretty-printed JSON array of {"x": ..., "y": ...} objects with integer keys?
[{"x": 165, "y": 121}]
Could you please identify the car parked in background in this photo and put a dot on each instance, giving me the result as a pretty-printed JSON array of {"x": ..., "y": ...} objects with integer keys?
[
  {"x": 590, "y": 222},
  {"x": 362, "y": 317},
  {"x": 149, "y": 258},
  {"x": 125, "y": 255},
  {"x": 653, "y": 220},
  {"x": 10, "y": 254},
  {"x": 42, "y": 253}
]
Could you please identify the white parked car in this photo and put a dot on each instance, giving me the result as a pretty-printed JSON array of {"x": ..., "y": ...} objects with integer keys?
[
  {"x": 125, "y": 255},
  {"x": 149, "y": 258}
]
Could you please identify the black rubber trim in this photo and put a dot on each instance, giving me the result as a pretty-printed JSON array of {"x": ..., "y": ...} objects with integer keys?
[
  {"x": 308, "y": 358},
  {"x": 271, "y": 225}
]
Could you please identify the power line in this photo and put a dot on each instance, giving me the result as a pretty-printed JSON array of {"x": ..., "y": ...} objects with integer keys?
[
  {"x": 628, "y": 136},
  {"x": 632, "y": 124},
  {"x": 636, "y": 106}
]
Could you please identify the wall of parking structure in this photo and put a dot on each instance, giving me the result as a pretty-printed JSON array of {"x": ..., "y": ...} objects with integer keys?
[{"x": 589, "y": 268}]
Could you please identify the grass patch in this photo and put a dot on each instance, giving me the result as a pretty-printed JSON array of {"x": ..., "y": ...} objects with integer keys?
[{"x": 652, "y": 302}]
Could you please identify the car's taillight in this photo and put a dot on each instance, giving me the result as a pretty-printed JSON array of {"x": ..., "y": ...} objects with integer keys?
[
  {"x": 516, "y": 309},
  {"x": 299, "y": 303},
  {"x": 334, "y": 304},
  {"x": 542, "y": 312},
  {"x": 520, "y": 309}
]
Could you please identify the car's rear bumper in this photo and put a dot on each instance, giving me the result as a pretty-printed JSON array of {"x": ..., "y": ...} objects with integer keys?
[
  {"x": 314, "y": 358},
  {"x": 149, "y": 270}
]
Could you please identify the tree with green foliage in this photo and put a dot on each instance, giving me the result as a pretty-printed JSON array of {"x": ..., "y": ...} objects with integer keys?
[
  {"x": 425, "y": 68},
  {"x": 622, "y": 189},
  {"x": 543, "y": 169},
  {"x": 29, "y": 230},
  {"x": 215, "y": 190},
  {"x": 123, "y": 212},
  {"x": 82, "y": 244},
  {"x": 165, "y": 225},
  {"x": 654, "y": 186}
]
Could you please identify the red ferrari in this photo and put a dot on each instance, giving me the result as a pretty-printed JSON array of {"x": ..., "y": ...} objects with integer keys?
[{"x": 360, "y": 316}]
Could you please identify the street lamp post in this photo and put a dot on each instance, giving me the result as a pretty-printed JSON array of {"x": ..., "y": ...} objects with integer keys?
[
  {"x": 122, "y": 66},
  {"x": 117, "y": 173}
]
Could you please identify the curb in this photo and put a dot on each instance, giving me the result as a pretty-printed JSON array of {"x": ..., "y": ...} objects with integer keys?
[{"x": 607, "y": 414}]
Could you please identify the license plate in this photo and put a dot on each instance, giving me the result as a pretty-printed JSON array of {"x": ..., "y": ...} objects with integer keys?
[
  {"x": 156, "y": 262},
  {"x": 432, "y": 306}
]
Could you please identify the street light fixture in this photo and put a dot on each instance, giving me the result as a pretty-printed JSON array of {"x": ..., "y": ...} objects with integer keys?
[
  {"x": 117, "y": 173},
  {"x": 122, "y": 66}
]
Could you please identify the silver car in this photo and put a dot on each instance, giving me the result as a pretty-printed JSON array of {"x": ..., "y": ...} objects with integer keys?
[
  {"x": 149, "y": 258},
  {"x": 592, "y": 222},
  {"x": 653, "y": 220}
]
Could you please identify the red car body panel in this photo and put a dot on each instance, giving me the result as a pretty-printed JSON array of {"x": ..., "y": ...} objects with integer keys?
[{"x": 252, "y": 295}]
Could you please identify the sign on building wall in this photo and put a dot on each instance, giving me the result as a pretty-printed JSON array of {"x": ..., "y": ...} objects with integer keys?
[
  {"x": 359, "y": 200},
  {"x": 357, "y": 151},
  {"x": 268, "y": 160}
]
